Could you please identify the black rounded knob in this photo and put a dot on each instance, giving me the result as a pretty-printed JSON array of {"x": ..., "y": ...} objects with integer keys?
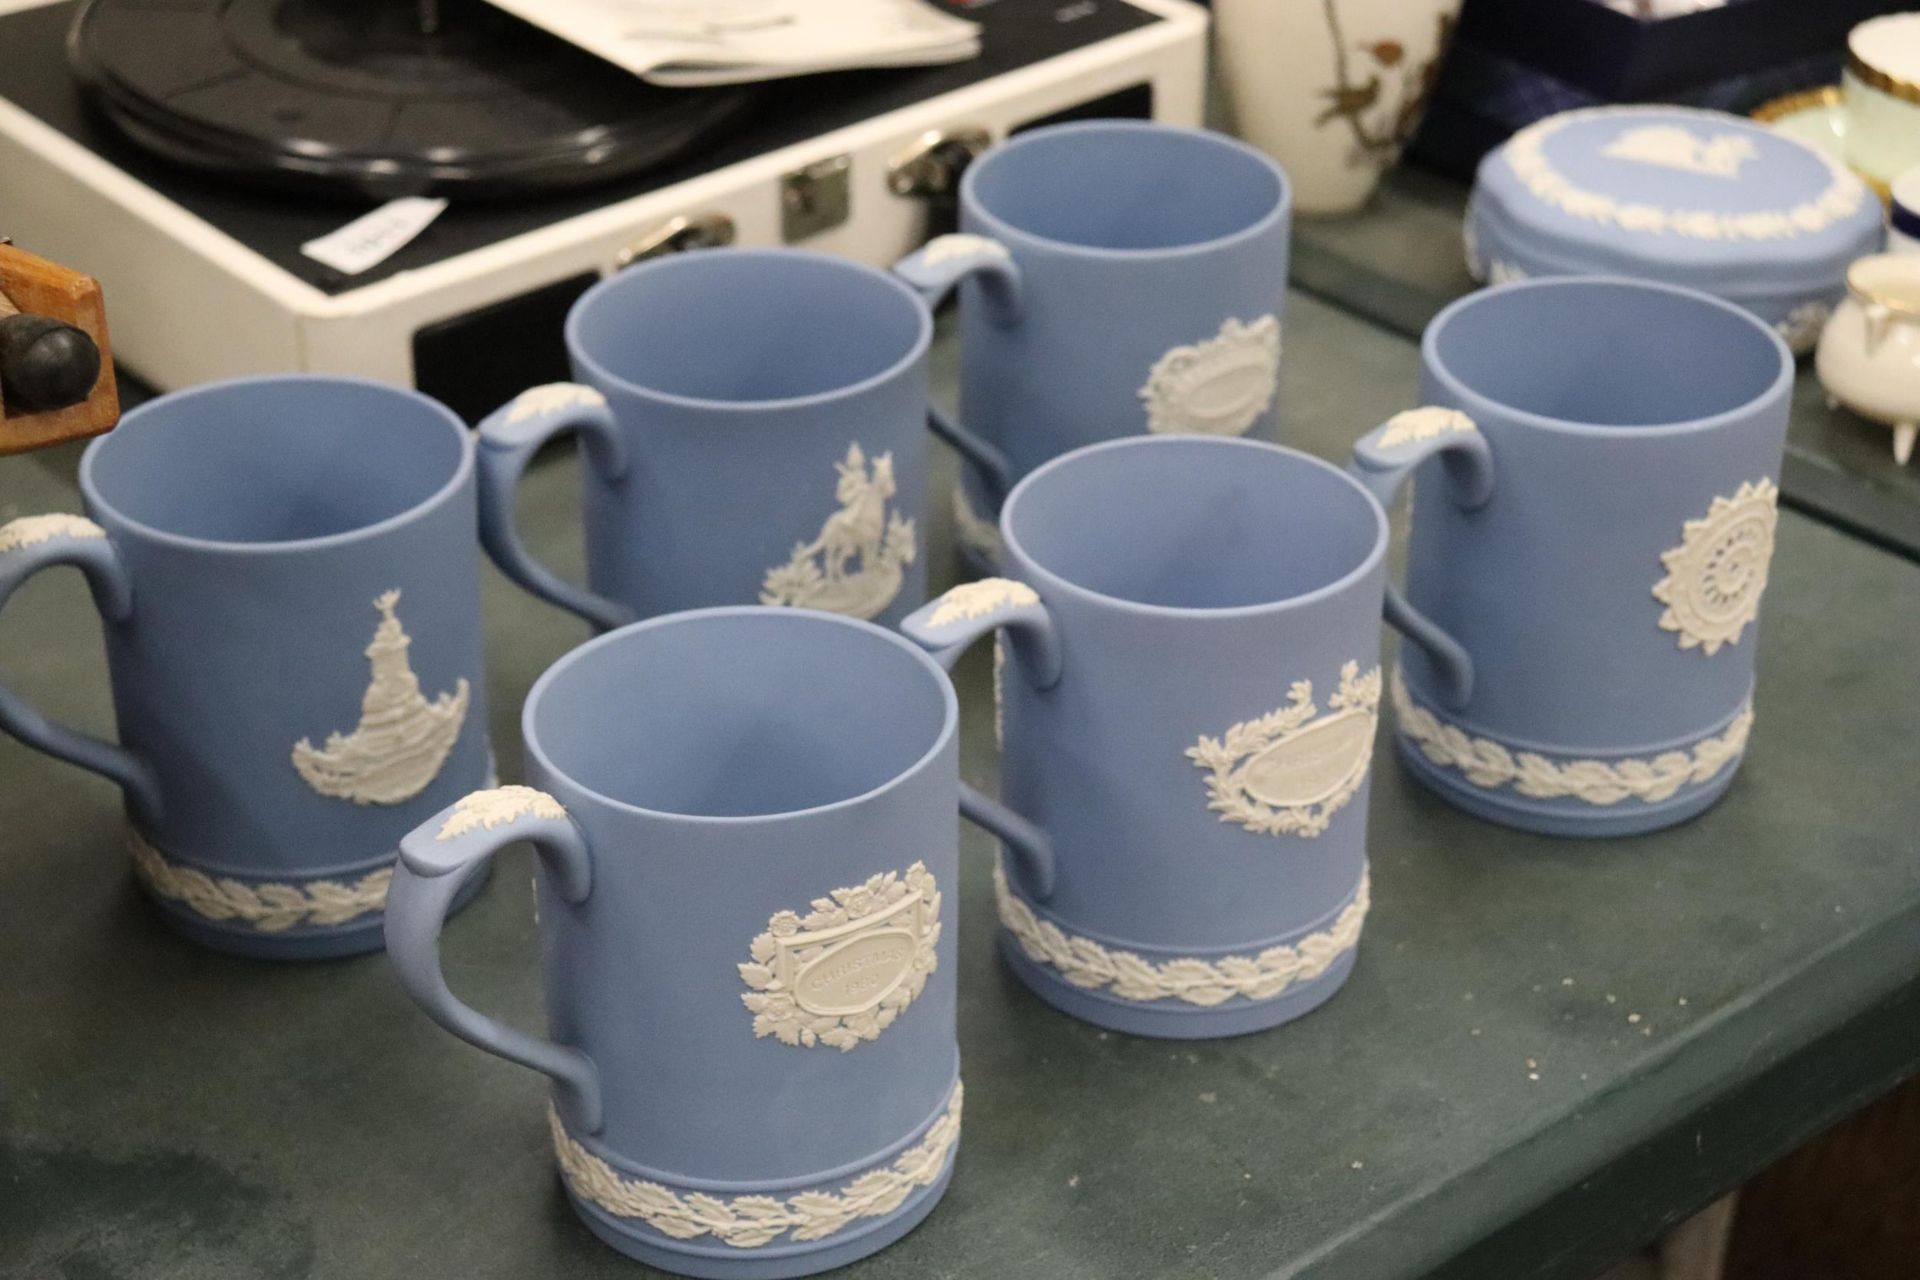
[{"x": 45, "y": 364}]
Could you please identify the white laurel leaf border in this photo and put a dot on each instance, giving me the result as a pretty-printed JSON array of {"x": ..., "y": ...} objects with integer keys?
[
  {"x": 1486, "y": 763},
  {"x": 267, "y": 906},
  {"x": 748, "y": 1222},
  {"x": 1227, "y": 797},
  {"x": 1526, "y": 155},
  {"x": 1092, "y": 967},
  {"x": 272, "y": 906}
]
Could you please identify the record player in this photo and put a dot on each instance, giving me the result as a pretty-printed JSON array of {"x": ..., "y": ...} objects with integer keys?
[{"x": 187, "y": 149}]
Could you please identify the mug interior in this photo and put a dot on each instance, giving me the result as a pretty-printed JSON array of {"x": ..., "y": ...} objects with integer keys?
[
  {"x": 1121, "y": 186},
  {"x": 1605, "y": 353},
  {"x": 274, "y": 460},
  {"x": 1194, "y": 522},
  {"x": 738, "y": 713},
  {"x": 744, "y": 325}
]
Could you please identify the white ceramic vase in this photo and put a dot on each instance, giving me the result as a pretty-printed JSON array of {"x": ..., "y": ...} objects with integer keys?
[{"x": 1330, "y": 88}]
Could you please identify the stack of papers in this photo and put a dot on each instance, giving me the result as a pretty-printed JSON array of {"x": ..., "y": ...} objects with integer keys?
[{"x": 702, "y": 42}]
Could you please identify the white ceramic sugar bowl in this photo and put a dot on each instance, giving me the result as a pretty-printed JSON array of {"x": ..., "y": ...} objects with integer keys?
[{"x": 1869, "y": 354}]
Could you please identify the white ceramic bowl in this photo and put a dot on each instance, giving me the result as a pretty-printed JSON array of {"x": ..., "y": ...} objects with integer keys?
[{"x": 1869, "y": 354}]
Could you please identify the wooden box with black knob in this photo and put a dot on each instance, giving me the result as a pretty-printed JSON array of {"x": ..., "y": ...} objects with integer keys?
[{"x": 56, "y": 365}]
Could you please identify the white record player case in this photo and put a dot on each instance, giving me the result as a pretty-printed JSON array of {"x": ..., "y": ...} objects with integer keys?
[{"x": 192, "y": 302}]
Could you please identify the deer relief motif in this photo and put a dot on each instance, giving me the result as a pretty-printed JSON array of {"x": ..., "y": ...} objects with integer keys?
[{"x": 858, "y": 562}]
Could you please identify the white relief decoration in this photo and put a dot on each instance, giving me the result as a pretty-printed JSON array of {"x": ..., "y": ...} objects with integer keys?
[
  {"x": 554, "y": 397},
  {"x": 1716, "y": 575},
  {"x": 1290, "y": 771},
  {"x": 977, "y": 533},
  {"x": 960, "y": 244},
  {"x": 402, "y": 739},
  {"x": 27, "y": 531},
  {"x": 1526, "y": 155},
  {"x": 1801, "y": 327},
  {"x": 978, "y": 599},
  {"x": 1470, "y": 243},
  {"x": 1093, "y": 967},
  {"x": 1672, "y": 146},
  {"x": 1486, "y": 763},
  {"x": 496, "y": 807},
  {"x": 747, "y": 1222},
  {"x": 999, "y": 692},
  {"x": 1218, "y": 387},
  {"x": 1424, "y": 424},
  {"x": 1502, "y": 272},
  {"x": 819, "y": 576},
  {"x": 843, "y": 972},
  {"x": 268, "y": 907}
]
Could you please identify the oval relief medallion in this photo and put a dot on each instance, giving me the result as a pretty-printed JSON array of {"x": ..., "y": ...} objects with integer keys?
[
  {"x": 853, "y": 976},
  {"x": 1291, "y": 770},
  {"x": 842, "y": 973},
  {"x": 1313, "y": 764},
  {"x": 1218, "y": 387}
]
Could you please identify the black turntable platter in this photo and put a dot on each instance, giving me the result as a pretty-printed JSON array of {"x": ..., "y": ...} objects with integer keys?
[{"x": 379, "y": 98}]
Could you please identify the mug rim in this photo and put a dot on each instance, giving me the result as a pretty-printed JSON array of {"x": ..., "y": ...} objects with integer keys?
[
  {"x": 623, "y": 278},
  {"x": 949, "y": 714},
  {"x": 461, "y": 477},
  {"x": 1001, "y": 229},
  {"x": 1376, "y": 554},
  {"x": 1471, "y": 399}
]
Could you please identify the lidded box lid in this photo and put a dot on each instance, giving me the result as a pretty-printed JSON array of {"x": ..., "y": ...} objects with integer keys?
[{"x": 1693, "y": 197}]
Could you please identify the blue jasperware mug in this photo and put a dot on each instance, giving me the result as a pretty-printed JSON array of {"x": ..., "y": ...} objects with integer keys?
[
  {"x": 747, "y": 892},
  {"x": 1188, "y": 683},
  {"x": 286, "y": 571},
  {"x": 755, "y": 428},
  {"x": 1116, "y": 277},
  {"x": 1588, "y": 552}
]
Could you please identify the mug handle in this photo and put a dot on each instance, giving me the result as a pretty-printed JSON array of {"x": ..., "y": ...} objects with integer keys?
[
  {"x": 509, "y": 437},
  {"x": 934, "y": 271},
  {"x": 946, "y": 628},
  {"x": 1383, "y": 460},
  {"x": 436, "y": 860},
  {"x": 28, "y": 545}
]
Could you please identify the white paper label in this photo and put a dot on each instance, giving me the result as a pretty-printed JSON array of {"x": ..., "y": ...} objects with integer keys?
[
  {"x": 370, "y": 240},
  {"x": 706, "y": 42}
]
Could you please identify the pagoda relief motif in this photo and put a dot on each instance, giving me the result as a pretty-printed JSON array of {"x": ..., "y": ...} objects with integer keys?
[
  {"x": 402, "y": 739},
  {"x": 858, "y": 563}
]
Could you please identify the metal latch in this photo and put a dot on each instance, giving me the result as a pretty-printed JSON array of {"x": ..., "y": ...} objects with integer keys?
[
  {"x": 677, "y": 234},
  {"x": 931, "y": 166},
  {"x": 814, "y": 198}
]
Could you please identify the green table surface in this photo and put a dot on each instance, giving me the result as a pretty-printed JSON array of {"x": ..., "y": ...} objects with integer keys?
[
  {"x": 1548, "y": 1050},
  {"x": 1400, "y": 260}
]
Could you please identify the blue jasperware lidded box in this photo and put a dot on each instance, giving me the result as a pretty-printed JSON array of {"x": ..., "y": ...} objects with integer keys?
[{"x": 1689, "y": 197}]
